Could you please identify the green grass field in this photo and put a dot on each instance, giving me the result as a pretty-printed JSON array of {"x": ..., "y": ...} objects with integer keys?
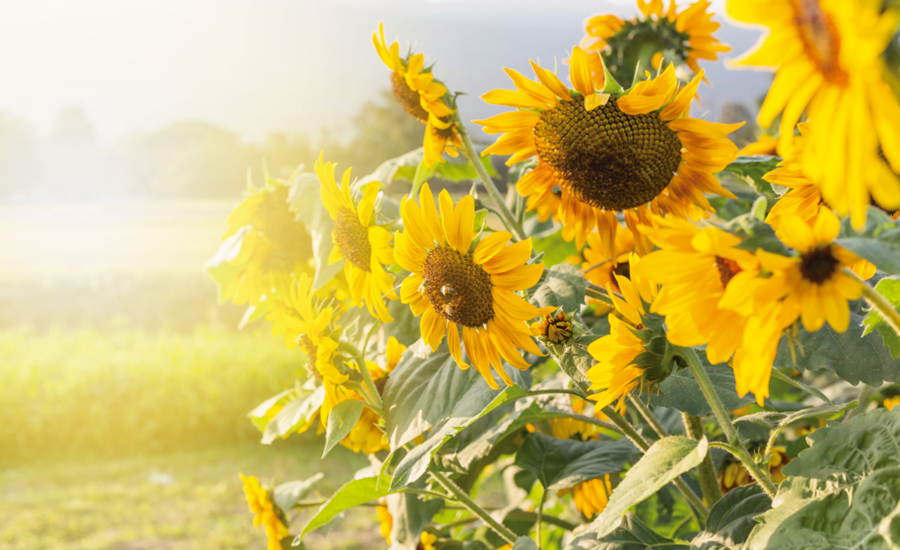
[{"x": 125, "y": 387}]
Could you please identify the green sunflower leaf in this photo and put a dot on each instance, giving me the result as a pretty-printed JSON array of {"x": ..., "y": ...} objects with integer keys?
[
  {"x": 524, "y": 543},
  {"x": 563, "y": 286},
  {"x": 294, "y": 415},
  {"x": 429, "y": 392},
  {"x": 341, "y": 420},
  {"x": 574, "y": 359},
  {"x": 563, "y": 463},
  {"x": 353, "y": 493},
  {"x": 287, "y": 495},
  {"x": 853, "y": 355},
  {"x": 411, "y": 515},
  {"x": 752, "y": 168},
  {"x": 838, "y": 490},
  {"x": 667, "y": 459},
  {"x": 731, "y": 519},
  {"x": 680, "y": 390},
  {"x": 632, "y": 534},
  {"x": 888, "y": 287},
  {"x": 405, "y": 167}
]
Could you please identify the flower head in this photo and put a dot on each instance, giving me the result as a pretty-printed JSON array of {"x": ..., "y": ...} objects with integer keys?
[
  {"x": 685, "y": 35},
  {"x": 827, "y": 54},
  {"x": 427, "y": 540},
  {"x": 591, "y": 496},
  {"x": 454, "y": 288},
  {"x": 734, "y": 474},
  {"x": 385, "y": 520},
  {"x": 364, "y": 246},
  {"x": 266, "y": 512},
  {"x": 272, "y": 246},
  {"x": 623, "y": 363},
  {"x": 694, "y": 267},
  {"x": 555, "y": 329},
  {"x": 422, "y": 97},
  {"x": 609, "y": 152}
]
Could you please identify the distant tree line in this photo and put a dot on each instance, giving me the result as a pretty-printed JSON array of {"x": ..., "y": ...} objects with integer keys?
[{"x": 183, "y": 160}]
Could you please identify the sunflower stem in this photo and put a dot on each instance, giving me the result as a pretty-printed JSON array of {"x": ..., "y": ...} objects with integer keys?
[
  {"x": 538, "y": 520},
  {"x": 473, "y": 507},
  {"x": 734, "y": 440},
  {"x": 648, "y": 415},
  {"x": 697, "y": 506},
  {"x": 475, "y": 160},
  {"x": 709, "y": 483},
  {"x": 884, "y": 308},
  {"x": 360, "y": 358}
]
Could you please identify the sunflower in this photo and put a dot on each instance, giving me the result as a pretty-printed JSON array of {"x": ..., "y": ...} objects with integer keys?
[
  {"x": 617, "y": 373},
  {"x": 365, "y": 436},
  {"x": 385, "y": 520},
  {"x": 694, "y": 267},
  {"x": 364, "y": 246},
  {"x": 427, "y": 540},
  {"x": 827, "y": 54},
  {"x": 686, "y": 36},
  {"x": 599, "y": 266},
  {"x": 811, "y": 287},
  {"x": 591, "y": 496},
  {"x": 735, "y": 475},
  {"x": 572, "y": 428},
  {"x": 422, "y": 97},
  {"x": 892, "y": 402},
  {"x": 273, "y": 246},
  {"x": 804, "y": 198},
  {"x": 302, "y": 320},
  {"x": 266, "y": 512},
  {"x": 765, "y": 145},
  {"x": 453, "y": 288},
  {"x": 609, "y": 152}
]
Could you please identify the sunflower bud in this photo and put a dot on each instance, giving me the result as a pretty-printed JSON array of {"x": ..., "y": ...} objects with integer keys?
[{"x": 556, "y": 329}]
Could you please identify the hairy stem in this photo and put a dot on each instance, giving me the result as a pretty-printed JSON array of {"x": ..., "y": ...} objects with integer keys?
[
  {"x": 474, "y": 159},
  {"x": 648, "y": 416},
  {"x": 762, "y": 477},
  {"x": 709, "y": 483},
  {"x": 473, "y": 507}
]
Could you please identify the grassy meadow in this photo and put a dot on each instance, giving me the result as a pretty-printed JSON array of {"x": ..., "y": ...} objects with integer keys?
[{"x": 126, "y": 384}]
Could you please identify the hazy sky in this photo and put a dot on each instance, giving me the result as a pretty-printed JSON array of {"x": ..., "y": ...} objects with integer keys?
[{"x": 258, "y": 66}]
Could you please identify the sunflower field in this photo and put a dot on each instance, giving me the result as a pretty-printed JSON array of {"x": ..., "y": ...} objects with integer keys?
[{"x": 633, "y": 335}]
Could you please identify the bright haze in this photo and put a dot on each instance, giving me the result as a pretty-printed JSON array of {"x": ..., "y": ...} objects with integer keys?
[{"x": 259, "y": 66}]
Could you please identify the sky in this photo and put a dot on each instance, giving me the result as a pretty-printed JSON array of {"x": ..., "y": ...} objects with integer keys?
[{"x": 295, "y": 66}]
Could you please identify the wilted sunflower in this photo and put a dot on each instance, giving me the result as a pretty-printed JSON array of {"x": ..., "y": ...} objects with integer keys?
[
  {"x": 616, "y": 374},
  {"x": 686, "y": 35},
  {"x": 266, "y": 512},
  {"x": 453, "y": 288},
  {"x": 610, "y": 152},
  {"x": 422, "y": 97},
  {"x": 274, "y": 246},
  {"x": 364, "y": 246},
  {"x": 827, "y": 54},
  {"x": 555, "y": 329},
  {"x": 694, "y": 267}
]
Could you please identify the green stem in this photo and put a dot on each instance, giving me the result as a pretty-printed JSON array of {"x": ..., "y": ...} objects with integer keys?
[
  {"x": 364, "y": 370},
  {"x": 429, "y": 493},
  {"x": 648, "y": 416},
  {"x": 884, "y": 308},
  {"x": 472, "y": 155},
  {"x": 709, "y": 483},
  {"x": 598, "y": 293},
  {"x": 690, "y": 357},
  {"x": 697, "y": 505},
  {"x": 473, "y": 507},
  {"x": 539, "y": 519},
  {"x": 523, "y": 515}
]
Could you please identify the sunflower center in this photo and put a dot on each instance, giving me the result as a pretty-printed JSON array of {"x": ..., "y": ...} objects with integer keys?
[
  {"x": 408, "y": 98},
  {"x": 820, "y": 38},
  {"x": 727, "y": 269},
  {"x": 818, "y": 265},
  {"x": 457, "y": 287},
  {"x": 278, "y": 225},
  {"x": 352, "y": 239},
  {"x": 606, "y": 158}
]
